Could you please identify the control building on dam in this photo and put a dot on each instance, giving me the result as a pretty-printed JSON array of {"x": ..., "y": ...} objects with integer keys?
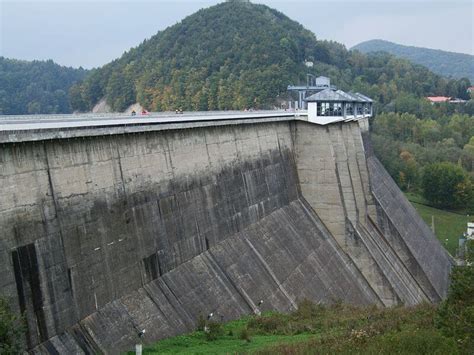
[{"x": 110, "y": 225}]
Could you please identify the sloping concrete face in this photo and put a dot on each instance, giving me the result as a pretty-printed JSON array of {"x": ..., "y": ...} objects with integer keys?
[
  {"x": 412, "y": 239},
  {"x": 384, "y": 236},
  {"x": 105, "y": 236}
]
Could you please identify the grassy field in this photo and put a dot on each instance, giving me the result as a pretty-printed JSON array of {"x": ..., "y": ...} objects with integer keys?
[
  {"x": 449, "y": 226},
  {"x": 338, "y": 328}
]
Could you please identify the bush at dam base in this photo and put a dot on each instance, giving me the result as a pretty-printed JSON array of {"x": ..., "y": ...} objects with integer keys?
[
  {"x": 322, "y": 329},
  {"x": 344, "y": 329}
]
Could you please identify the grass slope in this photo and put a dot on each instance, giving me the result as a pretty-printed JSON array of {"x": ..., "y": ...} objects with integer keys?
[
  {"x": 337, "y": 328},
  {"x": 449, "y": 226}
]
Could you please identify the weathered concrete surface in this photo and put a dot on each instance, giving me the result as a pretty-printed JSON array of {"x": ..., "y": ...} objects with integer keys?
[
  {"x": 102, "y": 236},
  {"x": 412, "y": 239},
  {"x": 282, "y": 259},
  {"x": 344, "y": 191},
  {"x": 331, "y": 185}
]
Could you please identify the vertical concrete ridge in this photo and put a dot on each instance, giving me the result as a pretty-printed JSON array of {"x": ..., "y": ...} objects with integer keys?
[
  {"x": 410, "y": 229},
  {"x": 354, "y": 204},
  {"x": 402, "y": 281},
  {"x": 352, "y": 151},
  {"x": 407, "y": 258},
  {"x": 343, "y": 173},
  {"x": 361, "y": 157},
  {"x": 409, "y": 277},
  {"x": 403, "y": 284},
  {"x": 316, "y": 168}
]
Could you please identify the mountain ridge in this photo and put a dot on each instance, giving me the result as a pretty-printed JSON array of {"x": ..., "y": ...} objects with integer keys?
[{"x": 446, "y": 63}]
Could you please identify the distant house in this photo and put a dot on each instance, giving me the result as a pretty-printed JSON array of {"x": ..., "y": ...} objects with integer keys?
[
  {"x": 470, "y": 230},
  {"x": 438, "y": 99},
  {"x": 457, "y": 101},
  {"x": 470, "y": 89}
]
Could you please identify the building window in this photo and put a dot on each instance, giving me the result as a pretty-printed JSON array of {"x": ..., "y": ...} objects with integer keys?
[
  {"x": 359, "y": 109},
  {"x": 323, "y": 108},
  {"x": 349, "y": 109},
  {"x": 337, "y": 109},
  {"x": 366, "y": 109},
  {"x": 329, "y": 109}
]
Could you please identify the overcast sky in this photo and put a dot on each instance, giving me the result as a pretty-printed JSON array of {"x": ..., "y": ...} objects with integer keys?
[{"x": 91, "y": 33}]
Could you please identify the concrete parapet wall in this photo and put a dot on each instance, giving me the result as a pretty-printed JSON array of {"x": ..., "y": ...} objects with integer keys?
[{"x": 101, "y": 236}]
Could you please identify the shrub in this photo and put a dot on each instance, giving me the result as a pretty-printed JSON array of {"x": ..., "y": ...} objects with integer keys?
[
  {"x": 201, "y": 323},
  {"x": 12, "y": 330},
  {"x": 215, "y": 330},
  {"x": 456, "y": 314},
  {"x": 420, "y": 342},
  {"x": 271, "y": 324},
  {"x": 308, "y": 310},
  {"x": 245, "y": 335}
]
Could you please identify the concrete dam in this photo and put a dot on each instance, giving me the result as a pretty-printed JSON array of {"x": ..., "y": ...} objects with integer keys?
[{"x": 108, "y": 227}]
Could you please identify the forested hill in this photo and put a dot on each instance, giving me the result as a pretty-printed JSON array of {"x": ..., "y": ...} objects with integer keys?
[
  {"x": 36, "y": 87},
  {"x": 237, "y": 55},
  {"x": 449, "y": 64}
]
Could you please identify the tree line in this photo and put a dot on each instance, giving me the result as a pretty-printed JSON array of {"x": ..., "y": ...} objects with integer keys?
[
  {"x": 36, "y": 87},
  {"x": 430, "y": 155}
]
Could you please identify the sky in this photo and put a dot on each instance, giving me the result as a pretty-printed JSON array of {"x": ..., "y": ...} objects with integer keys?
[{"x": 91, "y": 33}]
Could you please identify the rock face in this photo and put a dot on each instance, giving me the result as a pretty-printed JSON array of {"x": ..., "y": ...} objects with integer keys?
[
  {"x": 106, "y": 236},
  {"x": 102, "y": 107}
]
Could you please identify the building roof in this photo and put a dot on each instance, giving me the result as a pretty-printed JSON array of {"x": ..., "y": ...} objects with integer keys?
[
  {"x": 438, "y": 98},
  {"x": 327, "y": 95},
  {"x": 362, "y": 97},
  {"x": 339, "y": 96}
]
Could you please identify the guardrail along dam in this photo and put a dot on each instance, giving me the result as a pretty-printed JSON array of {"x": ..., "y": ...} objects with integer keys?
[{"x": 113, "y": 225}]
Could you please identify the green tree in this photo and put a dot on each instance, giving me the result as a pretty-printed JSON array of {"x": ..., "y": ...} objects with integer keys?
[
  {"x": 468, "y": 155},
  {"x": 443, "y": 184},
  {"x": 12, "y": 330},
  {"x": 76, "y": 98},
  {"x": 409, "y": 170},
  {"x": 456, "y": 314},
  {"x": 36, "y": 87}
]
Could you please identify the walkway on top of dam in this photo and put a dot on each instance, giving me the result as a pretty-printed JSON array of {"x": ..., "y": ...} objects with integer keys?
[{"x": 24, "y": 128}]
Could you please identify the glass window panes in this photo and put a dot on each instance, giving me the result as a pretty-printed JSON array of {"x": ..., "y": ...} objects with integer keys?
[
  {"x": 329, "y": 109},
  {"x": 349, "y": 109}
]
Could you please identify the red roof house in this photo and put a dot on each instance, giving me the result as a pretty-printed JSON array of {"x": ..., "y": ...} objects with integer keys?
[{"x": 437, "y": 99}]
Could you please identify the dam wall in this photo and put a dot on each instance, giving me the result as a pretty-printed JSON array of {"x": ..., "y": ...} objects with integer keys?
[{"x": 105, "y": 235}]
